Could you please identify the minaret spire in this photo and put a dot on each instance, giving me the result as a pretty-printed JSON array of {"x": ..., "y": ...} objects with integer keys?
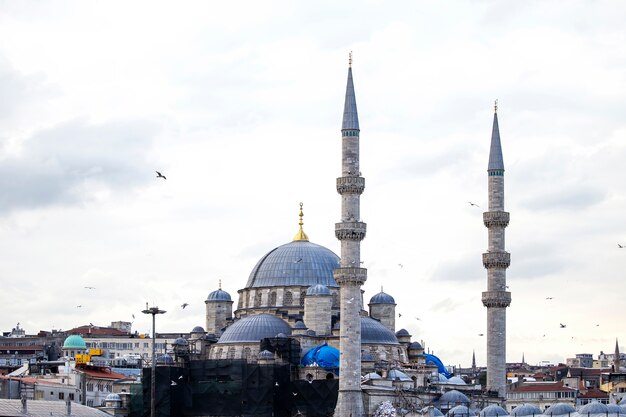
[
  {"x": 496, "y": 260},
  {"x": 617, "y": 363},
  {"x": 350, "y": 276}
]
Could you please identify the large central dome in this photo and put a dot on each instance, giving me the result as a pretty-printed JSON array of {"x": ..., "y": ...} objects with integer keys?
[{"x": 296, "y": 263}]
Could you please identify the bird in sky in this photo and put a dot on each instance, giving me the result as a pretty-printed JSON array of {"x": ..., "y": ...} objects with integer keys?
[
  {"x": 79, "y": 306},
  {"x": 159, "y": 175},
  {"x": 620, "y": 246},
  {"x": 481, "y": 334},
  {"x": 473, "y": 204},
  {"x": 549, "y": 298},
  {"x": 399, "y": 314},
  {"x": 183, "y": 305},
  {"x": 133, "y": 315},
  {"x": 350, "y": 300},
  {"x": 401, "y": 266},
  {"x": 173, "y": 383},
  {"x": 180, "y": 377},
  {"x": 91, "y": 324},
  {"x": 417, "y": 318},
  {"x": 562, "y": 325},
  {"x": 91, "y": 288}
]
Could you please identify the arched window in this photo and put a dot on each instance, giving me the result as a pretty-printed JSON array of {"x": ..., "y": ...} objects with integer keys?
[
  {"x": 288, "y": 298},
  {"x": 273, "y": 298},
  {"x": 335, "y": 300},
  {"x": 218, "y": 354},
  {"x": 302, "y": 295},
  {"x": 257, "y": 299},
  {"x": 231, "y": 353},
  {"x": 247, "y": 353}
]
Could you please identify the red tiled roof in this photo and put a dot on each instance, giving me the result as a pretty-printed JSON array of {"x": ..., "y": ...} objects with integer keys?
[
  {"x": 87, "y": 331},
  {"x": 543, "y": 387},
  {"x": 593, "y": 393},
  {"x": 104, "y": 373},
  {"x": 13, "y": 348}
]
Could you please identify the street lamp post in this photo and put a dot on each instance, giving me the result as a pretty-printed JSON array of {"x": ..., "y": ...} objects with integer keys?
[{"x": 154, "y": 311}]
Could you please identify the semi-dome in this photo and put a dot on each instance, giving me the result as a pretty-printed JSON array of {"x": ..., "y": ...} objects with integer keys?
[
  {"x": 396, "y": 374},
  {"x": 526, "y": 410},
  {"x": 318, "y": 289},
  {"x": 324, "y": 355},
  {"x": 382, "y": 298},
  {"x": 461, "y": 411},
  {"x": 456, "y": 380},
  {"x": 594, "y": 407},
  {"x": 493, "y": 410},
  {"x": 74, "y": 342},
  {"x": 372, "y": 331},
  {"x": 295, "y": 263},
  {"x": 255, "y": 328},
  {"x": 219, "y": 295},
  {"x": 453, "y": 397},
  {"x": 559, "y": 409}
]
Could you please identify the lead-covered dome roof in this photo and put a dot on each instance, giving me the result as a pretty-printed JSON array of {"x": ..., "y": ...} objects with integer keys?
[
  {"x": 461, "y": 411},
  {"x": 296, "y": 263},
  {"x": 382, "y": 298},
  {"x": 559, "y": 409},
  {"x": 255, "y": 328},
  {"x": 493, "y": 410},
  {"x": 372, "y": 331},
  {"x": 594, "y": 407},
  {"x": 453, "y": 397},
  {"x": 525, "y": 410},
  {"x": 219, "y": 295}
]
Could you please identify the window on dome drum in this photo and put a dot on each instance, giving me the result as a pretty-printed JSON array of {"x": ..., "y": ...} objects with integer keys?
[
  {"x": 335, "y": 300},
  {"x": 247, "y": 353},
  {"x": 231, "y": 353},
  {"x": 273, "y": 298},
  {"x": 302, "y": 295},
  {"x": 257, "y": 299},
  {"x": 288, "y": 298},
  {"x": 218, "y": 355}
]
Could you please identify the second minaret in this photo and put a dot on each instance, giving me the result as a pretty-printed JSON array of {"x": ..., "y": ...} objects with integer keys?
[{"x": 350, "y": 276}]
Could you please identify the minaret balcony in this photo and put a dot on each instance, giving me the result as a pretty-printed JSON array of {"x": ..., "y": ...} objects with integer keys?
[
  {"x": 496, "y": 260},
  {"x": 350, "y": 275},
  {"x": 350, "y": 185},
  {"x": 350, "y": 231},
  {"x": 496, "y": 298},
  {"x": 496, "y": 218}
]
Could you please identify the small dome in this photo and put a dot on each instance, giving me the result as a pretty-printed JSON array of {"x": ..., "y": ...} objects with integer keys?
[
  {"x": 396, "y": 374},
  {"x": 255, "y": 328},
  {"x": 74, "y": 342},
  {"x": 493, "y": 410},
  {"x": 442, "y": 378},
  {"x": 181, "y": 341},
  {"x": 559, "y": 409},
  {"x": 324, "y": 355},
  {"x": 623, "y": 401},
  {"x": 266, "y": 354},
  {"x": 372, "y": 331},
  {"x": 402, "y": 332},
  {"x": 415, "y": 346},
  {"x": 615, "y": 409},
  {"x": 460, "y": 411},
  {"x": 219, "y": 295},
  {"x": 373, "y": 375},
  {"x": 526, "y": 410},
  {"x": 165, "y": 359},
  {"x": 299, "y": 325},
  {"x": 113, "y": 397},
  {"x": 382, "y": 298},
  {"x": 453, "y": 397},
  {"x": 456, "y": 380},
  {"x": 437, "y": 412},
  {"x": 197, "y": 329},
  {"x": 593, "y": 407},
  {"x": 310, "y": 332},
  {"x": 318, "y": 289}
]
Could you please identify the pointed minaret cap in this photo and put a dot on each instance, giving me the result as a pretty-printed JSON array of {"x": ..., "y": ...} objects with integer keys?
[
  {"x": 350, "y": 115},
  {"x": 496, "y": 163},
  {"x": 301, "y": 235}
]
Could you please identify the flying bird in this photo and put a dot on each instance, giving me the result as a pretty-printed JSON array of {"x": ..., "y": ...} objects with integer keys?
[
  {"x": 562, "y": 325},
  {"x": 481, "y": 334},
  {"x": 79, "y": 306},
  {"x": 183, "y": 305},
  {"x": 173, "y": 383},
  {"x": 133, "y": 315},
  {"x": 473, "y": 204},
  {"x": 620, "y": 246},
  {"x": 401, "y": 266},
  {"x": 417, "y": 318},
  {"x": 159, "y": 175},
  {"x": 399, "y": 314},
  {"x": 91, "y": 288},
  {"x": 350, "y": 300},
  {"x": 549, "y": 298}
]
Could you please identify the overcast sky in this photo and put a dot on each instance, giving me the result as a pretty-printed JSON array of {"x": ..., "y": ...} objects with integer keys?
[{"x": 239, "y": 104}]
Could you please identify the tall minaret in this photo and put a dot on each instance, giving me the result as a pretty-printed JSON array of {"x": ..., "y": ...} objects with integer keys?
[
  {"x": 496, "y": 260},
  {"x": 616, "y": 358},
  {"x": 350, "y": 276}
]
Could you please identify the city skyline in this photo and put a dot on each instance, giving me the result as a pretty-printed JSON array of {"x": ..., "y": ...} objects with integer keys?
[{"x": 240, "y": 108}]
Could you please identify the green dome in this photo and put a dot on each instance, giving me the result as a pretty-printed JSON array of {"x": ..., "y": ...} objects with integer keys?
[{"x": 74, "y": 342}]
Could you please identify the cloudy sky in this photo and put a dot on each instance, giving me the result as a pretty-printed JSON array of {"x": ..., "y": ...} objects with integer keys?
[{"x": 239, "y": 104}]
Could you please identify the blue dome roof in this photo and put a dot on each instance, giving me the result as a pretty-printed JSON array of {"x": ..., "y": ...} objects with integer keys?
[
  {"x": 181, "y": 341},
  {"x": 299, "y": 325},
  {"x": 165, "y": 359},
  {"x": 415, "y": 346},
  {"x": 219, "y": 295},
  {"x": 266, "y": 354},
  {"x": 559, "y": 409},
  {"x": 453, "y": 397},
  {"x": 526, "y": 410},
  {"x": 382, "y": 298},
  {"x": 318, "y": 289},
  {"x": 113, "y": 397},
  {"x": 394, "y": 373},
  {"x": 325, "y": 356},
  {"x": 372, "y": 331},
  {"x": 403, "y": 332},
  {"x": 74, "y": 342},
  {"x": 615, "y": 409},
  {"x": 460, "y": 411},
  {"x": 255, "y": 328},
  {"x": 456, "y": 380},
  {"x": 593, "y": 407},
  {"x": 197, "y": 329},
  {"x": 437, "y": 412},
  {"x": 296, "y": 263},
  {"x": 493, "y": 410}
]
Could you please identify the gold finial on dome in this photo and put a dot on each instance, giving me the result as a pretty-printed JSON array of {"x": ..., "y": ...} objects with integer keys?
[{"x": 301, "y": 235}]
